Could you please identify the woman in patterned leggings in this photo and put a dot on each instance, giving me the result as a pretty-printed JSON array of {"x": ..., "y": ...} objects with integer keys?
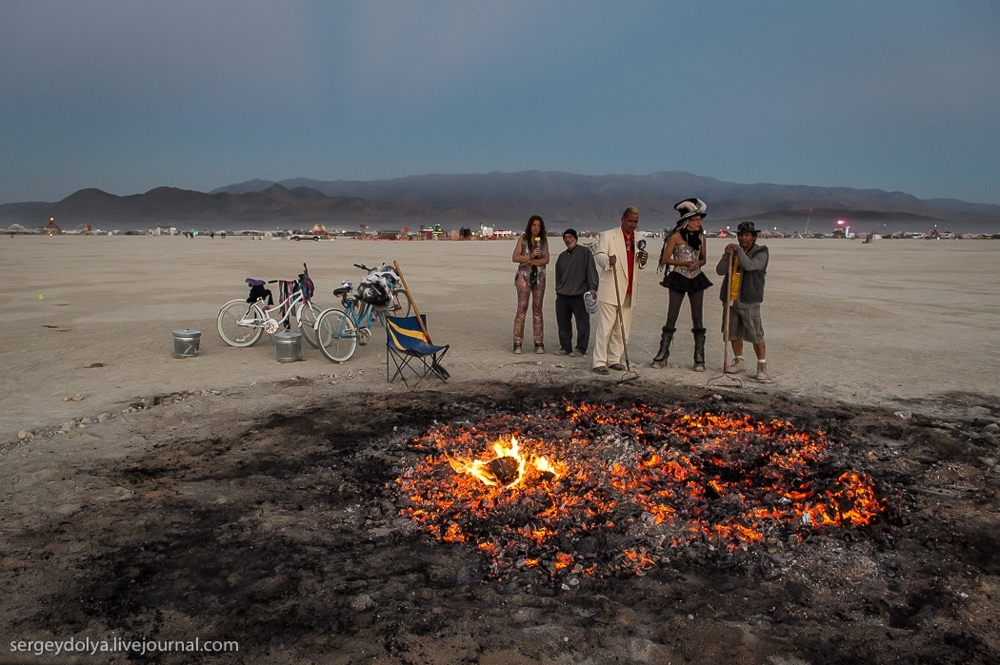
[{"x": 531, "y": 256}]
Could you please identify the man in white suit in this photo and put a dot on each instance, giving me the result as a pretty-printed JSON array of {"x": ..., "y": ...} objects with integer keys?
[{"x": 617, "y": 255}]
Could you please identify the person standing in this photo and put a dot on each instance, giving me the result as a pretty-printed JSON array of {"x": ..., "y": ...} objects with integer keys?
[
  {"x": 684, "y": 253},
  {"x": 619, "y": 260},
  {"x": 576, "y": 274},
  {"x": 744, "y": 316},
  {"x": 531, "y": 256}
]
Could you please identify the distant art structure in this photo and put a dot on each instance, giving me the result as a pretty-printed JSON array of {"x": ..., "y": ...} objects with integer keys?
[{"x": 52, "y": 228}]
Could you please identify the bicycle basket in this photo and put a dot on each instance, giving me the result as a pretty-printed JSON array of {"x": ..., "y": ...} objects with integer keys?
[{"x": 373, "y": 293}]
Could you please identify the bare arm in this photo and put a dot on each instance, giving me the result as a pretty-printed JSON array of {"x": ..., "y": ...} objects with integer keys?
[
  {"x": 668, "y": 250},
  {"x": 517, "y": 257}
]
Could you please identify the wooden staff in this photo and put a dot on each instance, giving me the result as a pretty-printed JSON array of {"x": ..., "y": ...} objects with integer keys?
[
  {"x": 729, "y": 304},
  {"x": 436, "y": 367},
  {"x": 413, "y": 303},
  {"x": 730, "y": 298}
]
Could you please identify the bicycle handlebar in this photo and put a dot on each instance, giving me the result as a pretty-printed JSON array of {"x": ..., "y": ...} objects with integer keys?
[{"x": 362, "y": 266}]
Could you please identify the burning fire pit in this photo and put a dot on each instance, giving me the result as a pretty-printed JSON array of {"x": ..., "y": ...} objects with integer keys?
[{"x": 590, "y": 489}]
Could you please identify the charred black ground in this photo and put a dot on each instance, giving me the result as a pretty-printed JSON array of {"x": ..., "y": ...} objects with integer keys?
[{"x": 286, "y": 535}]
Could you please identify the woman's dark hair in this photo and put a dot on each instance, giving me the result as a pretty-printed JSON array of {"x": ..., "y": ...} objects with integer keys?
[
  {"x": 692, "y": 238},
  {"x": 541, "y": 230}
]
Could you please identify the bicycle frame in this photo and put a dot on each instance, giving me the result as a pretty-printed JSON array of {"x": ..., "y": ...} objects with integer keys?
[
  {"x": 362, "y": 315},
  {"x": 293, "y": 303}
]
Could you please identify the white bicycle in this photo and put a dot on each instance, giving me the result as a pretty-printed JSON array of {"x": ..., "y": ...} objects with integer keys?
[{"x": 242, "y": 322}]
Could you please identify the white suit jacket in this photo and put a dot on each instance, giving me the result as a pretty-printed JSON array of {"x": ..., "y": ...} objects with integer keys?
[{"x": 612, "y": 243}]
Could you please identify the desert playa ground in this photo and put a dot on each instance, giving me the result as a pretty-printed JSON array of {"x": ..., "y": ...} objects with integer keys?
[
  {"x": 232, "y": 496},
  {"x": 896, "y": 323}
]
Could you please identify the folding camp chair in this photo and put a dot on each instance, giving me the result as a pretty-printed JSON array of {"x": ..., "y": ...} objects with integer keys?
[{"x": 407, "y": 346}]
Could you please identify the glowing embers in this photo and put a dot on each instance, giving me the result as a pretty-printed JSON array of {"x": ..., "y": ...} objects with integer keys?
[{"x": 629, "y": 487}]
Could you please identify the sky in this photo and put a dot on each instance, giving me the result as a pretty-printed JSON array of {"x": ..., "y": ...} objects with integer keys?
[{"x": 126, "y": 96}]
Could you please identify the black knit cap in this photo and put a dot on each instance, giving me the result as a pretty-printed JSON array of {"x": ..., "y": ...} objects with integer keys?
[{"x": 571, "y": 232}]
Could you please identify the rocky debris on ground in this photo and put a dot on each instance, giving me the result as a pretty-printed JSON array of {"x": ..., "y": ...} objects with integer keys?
[{"x": 139, "y": 404}]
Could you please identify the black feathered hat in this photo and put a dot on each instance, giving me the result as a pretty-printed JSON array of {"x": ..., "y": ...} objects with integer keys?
[{"x": 690, "y": 208}]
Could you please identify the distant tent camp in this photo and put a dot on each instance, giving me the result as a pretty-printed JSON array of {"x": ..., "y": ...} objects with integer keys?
[{"x": 52, "y": 228}]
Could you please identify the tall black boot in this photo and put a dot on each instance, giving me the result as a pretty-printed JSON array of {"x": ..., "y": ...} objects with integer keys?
[
  {"x": 699, "y": 349},
  {"x": 661, "y": 356}
]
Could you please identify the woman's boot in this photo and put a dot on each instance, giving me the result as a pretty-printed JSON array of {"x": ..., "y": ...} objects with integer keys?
[
  {"x": 660, "y": 359},
  {"x": 699, "y": 349}
]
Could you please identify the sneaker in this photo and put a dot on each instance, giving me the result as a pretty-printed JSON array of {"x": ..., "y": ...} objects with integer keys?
[
  {"x": 517, "y": 349},
  {"x": 577, "y": 353},
  {"x": 762, "y": 373},
  {"x": 736, "y": 367},
  {"x": 562, "y": 352},
  {"x": 600, "y": 369},
  {"x": 618, "y": 367},
  {"x": 539, "y": 349}
]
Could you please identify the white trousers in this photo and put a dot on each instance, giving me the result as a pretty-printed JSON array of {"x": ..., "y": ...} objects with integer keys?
[{"x": 608, "y": 342}]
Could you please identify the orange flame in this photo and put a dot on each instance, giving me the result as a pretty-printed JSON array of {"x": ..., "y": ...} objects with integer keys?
[{"x": 481, "y": 470}]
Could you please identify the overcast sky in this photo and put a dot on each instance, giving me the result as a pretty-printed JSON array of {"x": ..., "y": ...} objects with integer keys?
[{"x": 130, "y": 95}]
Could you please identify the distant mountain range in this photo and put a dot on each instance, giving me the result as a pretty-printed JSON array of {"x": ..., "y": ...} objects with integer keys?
[{"x": 504, "y": 200}]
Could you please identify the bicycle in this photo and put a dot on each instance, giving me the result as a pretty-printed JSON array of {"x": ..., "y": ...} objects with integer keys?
[
  {"x": 341, "y": 329},
  {"x": 242, "y": 322}
]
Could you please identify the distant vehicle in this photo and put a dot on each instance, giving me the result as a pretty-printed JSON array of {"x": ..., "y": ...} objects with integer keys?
[{"x": 302, "y": 236}]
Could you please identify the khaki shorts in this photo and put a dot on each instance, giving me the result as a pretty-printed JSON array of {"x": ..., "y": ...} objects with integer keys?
[{"x": 744, "y": 323}]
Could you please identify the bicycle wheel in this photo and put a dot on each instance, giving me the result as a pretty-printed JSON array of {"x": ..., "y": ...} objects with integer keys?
[
  {"x": 337, "y": 335},
  {"x": 307, "y": 317},
  {"x": 402, "y": 307},
  {"x": 233, "y": 327}
]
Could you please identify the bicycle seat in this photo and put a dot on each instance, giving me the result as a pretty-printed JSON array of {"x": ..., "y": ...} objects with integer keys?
[
  {"x": 342, "y": 291},
  {"x": 255, "y": 282}
]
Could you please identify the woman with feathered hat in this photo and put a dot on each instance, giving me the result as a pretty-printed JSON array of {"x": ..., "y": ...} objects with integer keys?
[{"x": 684, "y": 253}]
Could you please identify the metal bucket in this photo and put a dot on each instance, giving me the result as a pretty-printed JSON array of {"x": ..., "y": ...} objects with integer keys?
[
  {"x": 288, "y": 346},
  {"x": 187, "y": 343}
]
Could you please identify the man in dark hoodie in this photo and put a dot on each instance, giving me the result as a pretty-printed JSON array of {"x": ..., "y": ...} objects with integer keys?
[{"x": 744, "y": 316}]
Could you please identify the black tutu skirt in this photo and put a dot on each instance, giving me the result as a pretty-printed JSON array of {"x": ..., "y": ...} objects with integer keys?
[{"x": 678, "y": 282}]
